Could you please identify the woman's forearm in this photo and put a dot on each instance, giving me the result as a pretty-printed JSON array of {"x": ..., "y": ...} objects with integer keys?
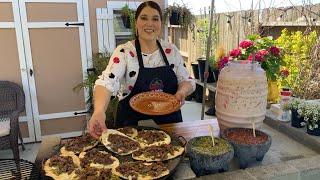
[
  {"x": 185, "y": 87},
  {"x": 101, "y": 98}
]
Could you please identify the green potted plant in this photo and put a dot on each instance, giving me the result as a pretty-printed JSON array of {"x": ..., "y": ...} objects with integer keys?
[
  {"x": 127, "y": 15},
  {"x": 100, "y": 62},
  {"x": 179, "y": 15},
  {"x": 300, "y": 54},
  {"x": 264, "y": 51},
  {"x": 296, "y": 106}
]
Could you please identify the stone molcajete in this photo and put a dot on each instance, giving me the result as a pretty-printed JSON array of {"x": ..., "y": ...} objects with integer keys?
[
  {"x": 206, "y": 158},
  {"x": 246, "y": 146}
]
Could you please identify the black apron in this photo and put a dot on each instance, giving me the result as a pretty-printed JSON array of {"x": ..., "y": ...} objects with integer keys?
[{"x": 149, "y": 79}]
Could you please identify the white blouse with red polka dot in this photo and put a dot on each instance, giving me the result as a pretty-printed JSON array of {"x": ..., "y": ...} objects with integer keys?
[{"x": 122, "y": 71}]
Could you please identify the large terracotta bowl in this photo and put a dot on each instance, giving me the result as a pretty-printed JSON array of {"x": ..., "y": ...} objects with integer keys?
[{"x": 154, "y": 103}]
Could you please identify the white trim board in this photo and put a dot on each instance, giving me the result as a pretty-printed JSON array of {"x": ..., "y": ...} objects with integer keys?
[
  {"x": 64, "y": 135},
  {"x": 27, "y": 140},
  {"x": 52, "y": 1},
  {"x": 7, "y": 25},
  {"x": 83, "y": 48},
  {"x": 116, "y": 5},
  {"x": 23, "y": 70},
  {"x": 29, "y": 65},
  {"x": 166, "y": 23},
  {"x": 59, "y": 115},
  {"x": 50, "y": 25},
  {"x": 86, "y": 20},
  {"x": 123, "y": 33}
]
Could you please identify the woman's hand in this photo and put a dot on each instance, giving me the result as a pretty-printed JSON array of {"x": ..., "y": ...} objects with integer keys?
[
  {"x": 180, "y": 96},
  {"x": 97, "y": 124}
]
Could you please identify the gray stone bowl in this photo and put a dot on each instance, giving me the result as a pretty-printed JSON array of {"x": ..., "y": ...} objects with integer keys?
[
  {"x": 245, "y": 152},
  {"x": 204, "y": 163}
]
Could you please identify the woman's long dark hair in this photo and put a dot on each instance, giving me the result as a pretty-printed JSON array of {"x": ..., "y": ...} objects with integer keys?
[{"x": 151, "y": 4}]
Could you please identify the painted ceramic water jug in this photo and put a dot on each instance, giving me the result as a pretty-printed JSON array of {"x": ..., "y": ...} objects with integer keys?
[{"x": 241, "y": 96}]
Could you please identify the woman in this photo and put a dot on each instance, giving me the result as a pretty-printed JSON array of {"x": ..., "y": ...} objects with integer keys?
[{"x": 141, "y": 65}]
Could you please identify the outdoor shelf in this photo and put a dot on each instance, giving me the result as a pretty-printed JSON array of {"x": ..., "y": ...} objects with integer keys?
[{"x": 210, "y": 86}]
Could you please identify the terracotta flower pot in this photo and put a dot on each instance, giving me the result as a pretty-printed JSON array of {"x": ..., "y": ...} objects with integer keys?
[
  {"x": 246, "y": 147},
  {"x": 206, "y": 159}
]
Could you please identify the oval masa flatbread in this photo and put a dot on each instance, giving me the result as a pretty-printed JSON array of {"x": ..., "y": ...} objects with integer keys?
[
  {"x": 129, "y": 131},
  {"x": 152, "y": 138},
  {"x": 158, "y": 153},
  {"x": 61, "y": 167},
  {"x": 98, "y": 159},
  {"x": 141, "y": 170},
  {"x": 118, "y": 142},
  {"x": 79, "y": 144}
]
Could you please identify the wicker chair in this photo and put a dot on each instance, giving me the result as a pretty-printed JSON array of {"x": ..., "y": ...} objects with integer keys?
[{"x": 12, "y": 103}]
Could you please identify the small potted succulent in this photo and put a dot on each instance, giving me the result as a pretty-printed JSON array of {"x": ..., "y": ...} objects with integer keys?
[
  {"x": 311, "y": 114},
  {"x": 248, "y": 144},
  {"x": 209, "y": 155},
  {"x": 296, "y": 106}
]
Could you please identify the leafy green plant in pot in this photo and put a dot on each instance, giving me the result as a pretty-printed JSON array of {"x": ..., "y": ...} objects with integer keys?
[
  {"x": 248, "y": 144},
  {"x": 179, "y": 15},
  {"x": 206, "y": 158},
  {"x": 296, "y": 106},
  {"x": 127, "y": 15},
  {"x": 100, "y": 62}
]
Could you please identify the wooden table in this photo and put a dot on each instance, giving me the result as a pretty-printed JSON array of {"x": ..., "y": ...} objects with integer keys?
[{"x": 192, "y": 129}]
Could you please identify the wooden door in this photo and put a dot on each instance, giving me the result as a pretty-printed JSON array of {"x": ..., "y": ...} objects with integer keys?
[{"x": 57, "y": 48}]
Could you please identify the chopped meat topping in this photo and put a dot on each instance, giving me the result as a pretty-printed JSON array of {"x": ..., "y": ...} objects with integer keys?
[
  {"x": 87, "y": 173},
  {"x": 95, "y": 156},
  {"x": 90, "y": 173},
  {"x": 134, "y": 168},
  {"x": 122, "y": 144},
  {"x": 77, "y": 144},
  {"x": 157, "y": 152},
  {"x": 126, "y": 130},
  {"x": 105, "y": 174},
  {"x": 150, "y": 137},
  {"x": 64, "y": 164}
]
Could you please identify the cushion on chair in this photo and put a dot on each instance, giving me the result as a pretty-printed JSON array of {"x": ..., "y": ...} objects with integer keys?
[{"x": 4, "y": 127}]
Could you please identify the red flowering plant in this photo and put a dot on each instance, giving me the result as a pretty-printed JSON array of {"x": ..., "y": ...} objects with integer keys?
[{"x": 260, "y": 49}]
